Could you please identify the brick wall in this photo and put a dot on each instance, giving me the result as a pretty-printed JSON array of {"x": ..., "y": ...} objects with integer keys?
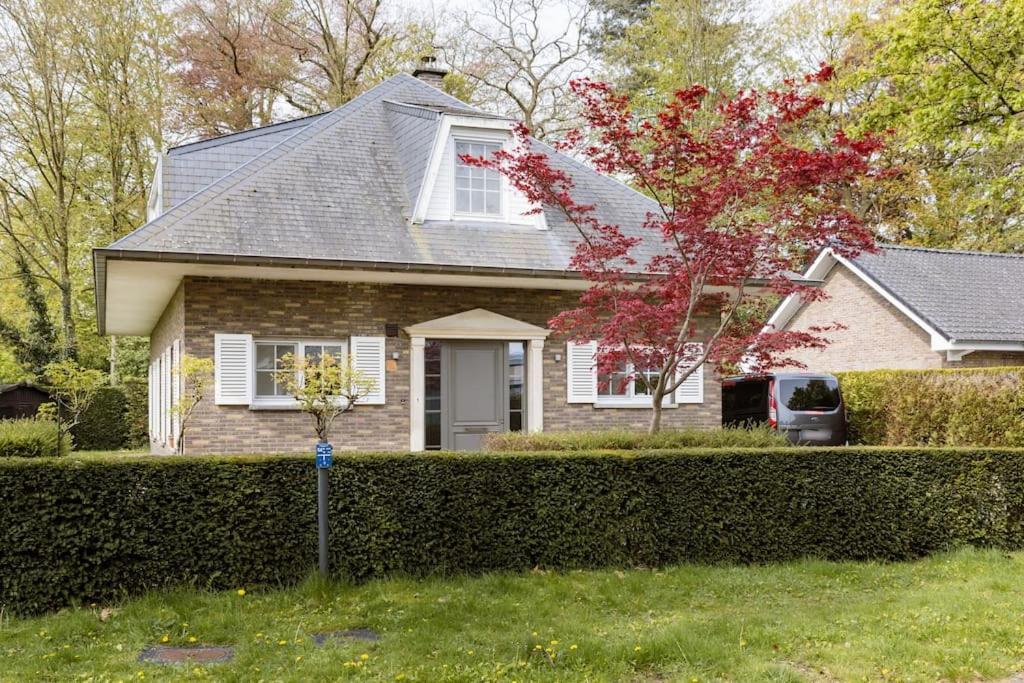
[
  {"x": 338, "y": 310},
  {"x": 877, "y": 334}
]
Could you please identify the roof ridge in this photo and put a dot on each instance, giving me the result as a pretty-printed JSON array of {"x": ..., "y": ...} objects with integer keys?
[
  {"x": 255, "y": 131},
  {"x": 967, "y": 252}
]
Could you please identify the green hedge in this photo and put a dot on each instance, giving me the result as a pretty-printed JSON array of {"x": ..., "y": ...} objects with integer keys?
[
  {"x": 29, "y": 438},
  {"x": 96, "y": 529},
  {"x": 631, "y": 440},
  {"x": 103, "y": 426},
  {"x": 977, "y": 407},
  {"x": 136, "y": 415}
]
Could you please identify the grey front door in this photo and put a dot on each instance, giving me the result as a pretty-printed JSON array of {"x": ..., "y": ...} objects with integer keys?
[{"x": 474, "y": 392}]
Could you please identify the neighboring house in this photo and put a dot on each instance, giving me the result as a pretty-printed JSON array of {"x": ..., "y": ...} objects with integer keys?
[
  {"x": 21, "y": 399},
  {"x": 359, "y": 232},
  {"x": 913, "y": 308}
]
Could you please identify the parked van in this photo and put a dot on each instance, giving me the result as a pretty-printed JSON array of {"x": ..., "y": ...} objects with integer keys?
[{"x": 806, "y": 407}]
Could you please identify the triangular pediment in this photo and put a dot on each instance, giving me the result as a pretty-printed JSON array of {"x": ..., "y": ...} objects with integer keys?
[{"x": 477, "y": 323}]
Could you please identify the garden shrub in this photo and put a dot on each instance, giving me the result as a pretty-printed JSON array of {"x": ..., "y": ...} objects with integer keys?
[
  {"x": 29, "y": 438},
  {"x": 136, "y": 417},
  {"x": 976, "y": 407},
  {"x": 100, "y": 528},
  {"x": 625, "y": 439},
  {"x": 103, "y": 426}
]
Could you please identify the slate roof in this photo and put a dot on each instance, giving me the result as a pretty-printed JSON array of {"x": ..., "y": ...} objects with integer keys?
[
  {"x": 965, "y": 295},
  {"x": 341, "y": 186},
  {"x": 191, "y": 167}
]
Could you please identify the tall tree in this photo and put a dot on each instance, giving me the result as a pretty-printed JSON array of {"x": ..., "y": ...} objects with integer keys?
[
  {"x": 43, "y": 126},
  {"x": 342, "y": 47},
  {"x": 517, "y": 65},
  {"x": 719, "y": 44},
  {"x": 35, "y": 345},
  {"x": 737, "y": 200},
  {"x": 230, "y": 73},
  {"x": 119, "y": 52},
  {"x": 949, "y": 78}
]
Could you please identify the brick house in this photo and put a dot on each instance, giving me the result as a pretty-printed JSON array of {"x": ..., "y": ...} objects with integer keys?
[
  {"x": 360, "y": 232},
  {"x": 913, "y": 308}
]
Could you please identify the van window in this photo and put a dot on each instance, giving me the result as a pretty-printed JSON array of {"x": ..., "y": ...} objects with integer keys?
[{"x": 809, "y": 394}]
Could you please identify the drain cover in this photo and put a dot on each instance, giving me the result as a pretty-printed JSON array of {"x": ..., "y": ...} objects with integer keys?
[
  {"x": 361, "y": 634},
  {"x": 161, "y": 654}
]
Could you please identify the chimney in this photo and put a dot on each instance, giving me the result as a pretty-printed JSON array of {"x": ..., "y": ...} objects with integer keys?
[{"x": 430, "y": 72}]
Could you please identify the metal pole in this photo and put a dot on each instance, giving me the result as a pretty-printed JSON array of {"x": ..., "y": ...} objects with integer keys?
[{"x": 321, "y": 508}]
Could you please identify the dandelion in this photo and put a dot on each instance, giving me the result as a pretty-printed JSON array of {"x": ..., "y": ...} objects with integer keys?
[
  {"x": 165, "y": 638},
  {"x": 282, "y": 642},
  {"x": 364, "y": 657},
  {"x": 636, "y": 649},
  {"x": 573, "y": 646},
  {"x": 241, "y": 592},
  {"x": 554, "y": 642},
  {"x": 192, "y": 639}
]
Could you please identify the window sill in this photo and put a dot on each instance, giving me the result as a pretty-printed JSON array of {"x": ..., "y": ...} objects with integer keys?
[
  {"x": 274, "y": 405},
  {"x": 646, "y": 405}
]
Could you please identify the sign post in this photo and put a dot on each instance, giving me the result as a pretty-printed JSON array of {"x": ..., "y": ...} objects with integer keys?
[{"x": 324, "y": 460}]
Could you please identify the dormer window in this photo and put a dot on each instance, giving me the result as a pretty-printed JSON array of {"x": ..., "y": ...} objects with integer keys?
[{"x": 477, "y": 190}]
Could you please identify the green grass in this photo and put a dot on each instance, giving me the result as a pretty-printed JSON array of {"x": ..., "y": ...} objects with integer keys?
[{"x": 951, "y": 617}]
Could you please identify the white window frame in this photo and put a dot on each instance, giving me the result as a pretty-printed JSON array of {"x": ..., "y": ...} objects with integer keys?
[
  {"x": 630, "y": 400},
  {"x": 287, "y": 402},
  {"x": 503, "y": 197}
]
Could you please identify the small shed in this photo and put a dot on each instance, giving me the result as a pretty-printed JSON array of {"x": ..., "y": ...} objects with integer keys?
[{"x": 21, "y": 399}]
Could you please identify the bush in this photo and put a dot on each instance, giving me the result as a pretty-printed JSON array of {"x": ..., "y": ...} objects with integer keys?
[
  {"x": 622, "y": 439},
  {"x": 136, "y": 417},
  {"x": 103, "y": 426},
  {"x": 100, "y": 528},
  {"x": 29, "y": 438},
  {"x": 979, "y": 407}
]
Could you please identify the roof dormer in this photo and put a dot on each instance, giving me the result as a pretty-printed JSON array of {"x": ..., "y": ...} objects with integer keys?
[{"x": 455, "y": 191}]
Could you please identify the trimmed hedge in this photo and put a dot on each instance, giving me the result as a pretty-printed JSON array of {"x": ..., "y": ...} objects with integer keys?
[
  {"x": 136, "y": 415},
  {"x": 103, "y": 427},
  {"x": 631, "y": 440},
  {"x": 97, "y": 529},
  {"x": 974, "y": 407},
  {"x": 30, "y": 438}
]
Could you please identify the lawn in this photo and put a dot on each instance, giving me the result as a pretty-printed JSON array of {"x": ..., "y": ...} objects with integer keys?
[{"x": 957, "y": 616}]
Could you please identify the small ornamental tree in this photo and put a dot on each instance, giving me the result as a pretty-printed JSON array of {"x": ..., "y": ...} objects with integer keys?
[
  {"x": 74, "y": 389},
  {"x": 324, "y": 387},
  {"x": 737, "y": 205},
  {"x": 194, "y": 376}
]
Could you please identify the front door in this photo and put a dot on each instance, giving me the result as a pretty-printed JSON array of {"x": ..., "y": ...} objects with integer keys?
[{"x": 474, "y": 392}]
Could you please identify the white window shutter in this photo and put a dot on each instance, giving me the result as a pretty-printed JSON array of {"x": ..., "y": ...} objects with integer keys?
[
  {"x": 581, "y": 371},
  {"x": 368, "y": 358},
  {"x": 692, "y": 390},
  {"x": 233, "y": 369},
  {"x": 152, "y": 400}
]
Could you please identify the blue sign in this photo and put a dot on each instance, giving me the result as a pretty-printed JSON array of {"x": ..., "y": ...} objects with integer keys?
[{"x": 324, "y": 456}]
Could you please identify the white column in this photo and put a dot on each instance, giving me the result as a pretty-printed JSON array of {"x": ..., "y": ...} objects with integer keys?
[
  {"x": 535, "y": 385},
  {"x": 417, "y": 389}
]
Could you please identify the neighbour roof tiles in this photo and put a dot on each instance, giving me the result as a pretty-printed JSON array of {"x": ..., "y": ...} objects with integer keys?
[{"x": 965, "y": 295}]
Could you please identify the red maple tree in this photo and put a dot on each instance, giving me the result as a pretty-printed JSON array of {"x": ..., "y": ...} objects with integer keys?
[{"x": 737, "y": 205}]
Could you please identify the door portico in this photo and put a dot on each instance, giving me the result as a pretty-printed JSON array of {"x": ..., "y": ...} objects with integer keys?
[{"x": 475, "y": 325}]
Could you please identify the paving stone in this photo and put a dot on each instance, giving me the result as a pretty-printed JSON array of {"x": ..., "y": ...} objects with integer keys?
[
  {"x": 201, "y": 654},
  {"x": 364, "y": 635}
]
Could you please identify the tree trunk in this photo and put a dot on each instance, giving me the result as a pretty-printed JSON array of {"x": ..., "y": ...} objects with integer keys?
[
  {"x": 113, "y": 361},
  {"x": 655, "y": 425},
  {"x": 67, "y": 315}
]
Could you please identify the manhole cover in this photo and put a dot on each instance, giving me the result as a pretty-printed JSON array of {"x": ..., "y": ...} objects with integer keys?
[
  {"x": 361, "y": 634},
  {"x": 161, "y": 654}
]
